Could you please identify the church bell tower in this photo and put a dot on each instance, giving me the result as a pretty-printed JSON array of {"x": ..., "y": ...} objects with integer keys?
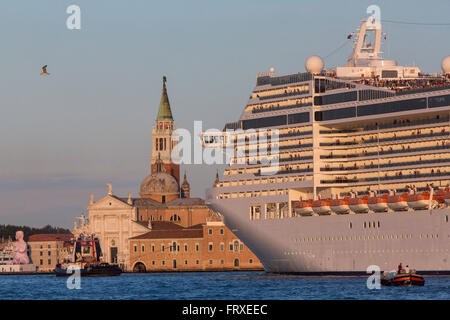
[{"x": 163, "y": 142}]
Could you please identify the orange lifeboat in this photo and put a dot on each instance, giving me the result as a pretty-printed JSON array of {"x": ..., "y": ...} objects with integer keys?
[
  {"x": 397, "y": 202},
  {"x": 358, "y": 205},
  {"x": 421, "y": 201},
  {"x": 378, "y": 203},
  {"x": 304, "y": 208},
  {"x": 440, "y": 195},
  {"x": 340, "y": 206},
  {"x": 321, "y": 207},
  {"x": 447, "y": 198}
]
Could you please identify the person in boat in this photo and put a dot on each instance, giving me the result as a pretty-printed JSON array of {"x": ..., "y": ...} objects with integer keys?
[
  {"x": 407, "y": 269},
  {"x": 400, "y": 267}
]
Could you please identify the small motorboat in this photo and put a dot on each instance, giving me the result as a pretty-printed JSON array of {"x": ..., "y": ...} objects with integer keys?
[
  {"x": 102, "y": 269},
  {"x": 397, "y": 279},
  {"x": 87, "y": 259}
]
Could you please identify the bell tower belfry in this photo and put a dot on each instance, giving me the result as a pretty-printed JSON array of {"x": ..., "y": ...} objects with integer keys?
[{"x": 163, "y": 142}]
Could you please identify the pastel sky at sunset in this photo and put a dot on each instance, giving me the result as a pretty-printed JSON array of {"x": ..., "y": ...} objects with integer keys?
[{"x": 64, "y": 136}]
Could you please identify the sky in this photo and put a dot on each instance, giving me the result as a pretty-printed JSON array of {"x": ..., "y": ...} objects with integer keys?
[{"x": 66, "y": 135}]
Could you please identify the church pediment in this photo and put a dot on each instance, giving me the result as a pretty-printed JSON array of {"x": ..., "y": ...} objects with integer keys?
[{"x": 109, "y": 202}]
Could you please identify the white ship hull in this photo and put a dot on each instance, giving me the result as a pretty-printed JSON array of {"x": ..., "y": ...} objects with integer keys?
[{"x": 328, "y": 245}]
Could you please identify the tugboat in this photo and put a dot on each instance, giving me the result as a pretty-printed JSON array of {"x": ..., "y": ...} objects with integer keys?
[
  {"x": 87, "y": 257},
  {"x": 402, "y": 278}
]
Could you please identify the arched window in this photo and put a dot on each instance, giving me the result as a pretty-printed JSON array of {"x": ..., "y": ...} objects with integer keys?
[
  {"x": 161, "y": 143},
  {"x": 156, "y": 144},
  {"x": 236, "y": 245},
  {"x": 175, "y": 218}
]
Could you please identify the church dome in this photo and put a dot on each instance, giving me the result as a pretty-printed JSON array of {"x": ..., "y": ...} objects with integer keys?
[{"x": 159, "y": 183}]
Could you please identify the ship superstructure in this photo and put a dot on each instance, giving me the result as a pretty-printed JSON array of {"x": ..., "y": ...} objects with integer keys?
[{"x": 362, "y": 166}]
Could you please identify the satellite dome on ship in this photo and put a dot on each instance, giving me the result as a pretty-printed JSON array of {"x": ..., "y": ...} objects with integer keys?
[
  {"x": 314, "y": 64},
  {"x": 445, "y": 65}
]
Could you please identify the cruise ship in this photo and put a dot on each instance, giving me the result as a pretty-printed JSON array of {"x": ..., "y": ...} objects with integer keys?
[{"x": 362, "y": 166}]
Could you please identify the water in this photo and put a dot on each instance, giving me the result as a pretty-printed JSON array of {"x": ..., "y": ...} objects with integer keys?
[{"x": 214, "y": 285}]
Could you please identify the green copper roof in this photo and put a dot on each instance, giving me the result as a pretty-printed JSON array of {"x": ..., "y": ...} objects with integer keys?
[{"x": 164, "y": 112}]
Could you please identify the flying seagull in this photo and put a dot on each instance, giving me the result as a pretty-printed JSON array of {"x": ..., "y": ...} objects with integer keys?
[{"x": 44, "y": 71}]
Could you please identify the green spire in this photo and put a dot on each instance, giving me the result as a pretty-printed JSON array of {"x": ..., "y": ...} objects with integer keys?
[{"x": 164, "y": 112}]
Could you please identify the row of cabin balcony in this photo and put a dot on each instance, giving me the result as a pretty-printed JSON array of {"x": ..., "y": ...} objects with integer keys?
[
  {"x": 260, "y": 181},
  {"x": 279, "y": 105},
  {"x": 252, "y": 143},
  {"x": 442, "y": 131},
  {"x": 252, "y": 138},
  {"x": 286, "y": 144},
  {"x": 305, "y": 166},
  {"x": 398, "y": 175},
  {"x": 271, "y": 154},
  {"x": 386, "y": 187},
  {"x": 280, "y": 157},
  {"x": 283, "y": 94},
  {"x": 391, "y": 124},
  {"x": 375, "y": 151},
  {"x": 399, "y": 187},
  {"x": 267, "y": 94},
  {"x": 254, "y": 194},
  {"x": 427, "y": 160},
  {"x": 291, "y": 169},
  {"x": 237, "y": 139}
]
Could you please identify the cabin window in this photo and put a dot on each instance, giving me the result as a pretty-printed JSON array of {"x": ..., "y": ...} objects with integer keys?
[
  {"x": 350, "y": 225},
  {"x": 236, "y": 246}
]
